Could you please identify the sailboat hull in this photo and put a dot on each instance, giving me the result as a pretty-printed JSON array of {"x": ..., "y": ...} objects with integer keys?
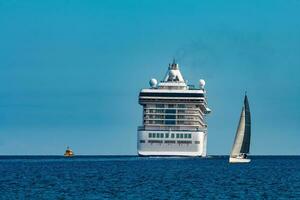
[{"x": 239, "y": 160}]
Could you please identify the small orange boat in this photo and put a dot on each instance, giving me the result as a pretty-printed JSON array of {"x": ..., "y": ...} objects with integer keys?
[{"x": 69, "y": 152}]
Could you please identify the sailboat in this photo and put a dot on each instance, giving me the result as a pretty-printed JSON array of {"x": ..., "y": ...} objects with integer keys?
[{"x": 241, "y": 143}]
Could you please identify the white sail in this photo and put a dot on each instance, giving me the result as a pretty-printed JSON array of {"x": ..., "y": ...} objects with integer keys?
[{"x": 242, "y": 138}]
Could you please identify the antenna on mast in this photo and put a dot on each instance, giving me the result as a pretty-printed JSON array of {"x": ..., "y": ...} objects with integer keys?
[{"x": 174, "y": 60}]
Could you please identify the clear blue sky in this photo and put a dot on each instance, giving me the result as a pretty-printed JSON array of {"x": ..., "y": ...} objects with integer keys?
[{"x": 71, "y": 71}]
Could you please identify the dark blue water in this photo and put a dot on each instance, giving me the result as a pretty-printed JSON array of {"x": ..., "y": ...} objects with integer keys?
[{"x": 148, "y": 178}]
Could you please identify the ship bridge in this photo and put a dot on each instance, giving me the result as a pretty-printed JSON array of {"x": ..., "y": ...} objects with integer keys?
[{"x": 174, "y": 89}]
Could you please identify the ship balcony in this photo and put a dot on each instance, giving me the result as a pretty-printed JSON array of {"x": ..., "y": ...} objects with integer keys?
[
  {"x": 179, "y": 112},
  {"x": 178, "y": 123},
  {"x": 172, "y": 128},
  {"x": 143, "y": 101},
  {"x": 200, "y": 108},
  {"x": 159, "y": 116},
  {"x": 173, "y": 106},
  {"x": 178, "y": 119}
]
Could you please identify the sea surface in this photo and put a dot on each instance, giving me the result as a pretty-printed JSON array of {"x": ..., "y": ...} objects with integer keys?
[{"x": 131, "y": 177}]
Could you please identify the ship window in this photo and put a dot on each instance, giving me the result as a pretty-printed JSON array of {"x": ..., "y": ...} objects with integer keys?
[
  {"x": 190, "y": 135},
  {"x": 155, "y": 141},
  {"x": 157, "y": 135},
  {"x": 181, "y": 106},
  {"x": 162, "y": 135},
  {"x": 170, "y": 141},
  {"x": 160, "y": 111},
  {"x": 171, "y": 106},
  {"x": 167, "y": 135},
  {"x": 185, "y": 136},
  {"x": 160, "y": 105},
  {"x": 181, "y": 135},
  {"x": 171, "y": 111},
  {"x": 159, "y": 117},
  {"x": 197, "y": 142},
  {"x": 170, "y": 117},
  {"x": 158, "y": 122},
  {"x": 184, "y": 142},
  {"x": 172, "y": 135},
  {"x": 170, "y": 122},
  {"x": 153, "y": 135},
  {"x": 142, "y": 141},
  {"x": 177, "y": 135},
  {"x": 150, "y": 135}
]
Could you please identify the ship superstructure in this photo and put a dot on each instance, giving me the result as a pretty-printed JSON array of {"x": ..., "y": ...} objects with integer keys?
[{"x": 173, "y": 117}]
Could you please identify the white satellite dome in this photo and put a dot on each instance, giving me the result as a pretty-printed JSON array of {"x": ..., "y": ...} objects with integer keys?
[
  {"x": 172, "y": 73},
  {"x": 153, "y": 82},
  {"x": 202, "y": 83}
]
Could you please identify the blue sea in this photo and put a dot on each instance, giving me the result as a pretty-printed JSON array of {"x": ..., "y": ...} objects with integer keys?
[{"x": 131, "y": 177}]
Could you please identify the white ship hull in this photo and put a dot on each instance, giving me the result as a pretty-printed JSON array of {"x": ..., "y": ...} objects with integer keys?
[
  {"x": 239, "y": 160},
  {"x": 194, "y": 146}
]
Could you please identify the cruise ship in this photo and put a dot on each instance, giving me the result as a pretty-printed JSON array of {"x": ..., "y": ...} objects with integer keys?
[{"x": 173, "y": 117}]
